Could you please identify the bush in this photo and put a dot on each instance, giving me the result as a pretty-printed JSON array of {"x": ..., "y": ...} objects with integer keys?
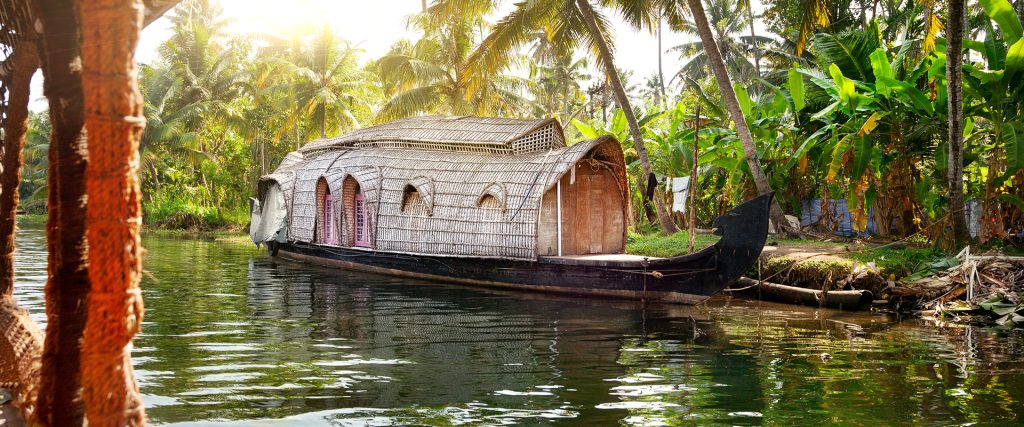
[{"x": 173, "y": 213}]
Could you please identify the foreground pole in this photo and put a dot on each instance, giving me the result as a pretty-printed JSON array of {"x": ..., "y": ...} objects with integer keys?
[
  {"x": 60, "y": 386},
  {"x": 114, "y": 118}
]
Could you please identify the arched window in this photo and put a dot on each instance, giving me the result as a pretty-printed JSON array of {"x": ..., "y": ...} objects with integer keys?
[
  {"x": 418, "y": 197},
  {"x": 492, "y": 202},
  {"x": 489, "y": 201},
  {"x": 413, "y": 202}
]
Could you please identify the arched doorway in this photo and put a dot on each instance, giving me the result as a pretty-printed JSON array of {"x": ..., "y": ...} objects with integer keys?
[
  {"x": 326, "y": 220},
  {"x": 357, "y": 222}
]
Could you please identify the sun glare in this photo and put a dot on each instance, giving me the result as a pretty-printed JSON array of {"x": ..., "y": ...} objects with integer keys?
[{"x": 373, "y": 26}]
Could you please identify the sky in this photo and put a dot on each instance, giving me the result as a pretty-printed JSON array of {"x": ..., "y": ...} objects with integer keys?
[{"x": 373, "y": 25}]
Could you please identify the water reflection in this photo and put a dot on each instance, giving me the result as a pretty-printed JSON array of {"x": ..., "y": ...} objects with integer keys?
[{"x": 231, "y": 336}]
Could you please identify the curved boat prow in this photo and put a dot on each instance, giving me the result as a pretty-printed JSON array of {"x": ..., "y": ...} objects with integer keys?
[
  {"x": 746, "y": 223},
  {"x": 744, "y": 231}
]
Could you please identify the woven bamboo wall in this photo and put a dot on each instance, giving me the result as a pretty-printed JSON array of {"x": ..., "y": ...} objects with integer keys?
[
  {"x": 468, "y": 203},
  {"x": 302, "y": 215}
]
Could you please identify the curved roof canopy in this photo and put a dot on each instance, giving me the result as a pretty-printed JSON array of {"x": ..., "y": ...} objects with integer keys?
[{"x": 459, "y": 133}]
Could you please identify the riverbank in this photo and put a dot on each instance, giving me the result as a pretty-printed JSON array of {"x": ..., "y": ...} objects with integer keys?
[
  {"x": 807, "y": 263},
  {"x": 984, "y": 288}
]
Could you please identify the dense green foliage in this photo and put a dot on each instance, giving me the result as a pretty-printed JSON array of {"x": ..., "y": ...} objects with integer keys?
[{"x": 859, "y": 113}]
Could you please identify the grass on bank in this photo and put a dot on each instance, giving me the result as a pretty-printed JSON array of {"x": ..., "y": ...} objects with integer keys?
[{"x": 662, "y": 246}]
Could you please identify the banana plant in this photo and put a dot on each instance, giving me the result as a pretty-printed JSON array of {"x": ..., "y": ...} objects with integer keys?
[{"x": 864, "y": 127}]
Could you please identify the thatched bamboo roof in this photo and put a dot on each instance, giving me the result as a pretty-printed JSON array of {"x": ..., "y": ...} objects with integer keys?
[
  {"x": 461, "y": 133},
  {"x": 451, "y": 176}
]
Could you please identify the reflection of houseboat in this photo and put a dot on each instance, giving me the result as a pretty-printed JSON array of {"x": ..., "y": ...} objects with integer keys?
[{"x": 485, "y": 201}]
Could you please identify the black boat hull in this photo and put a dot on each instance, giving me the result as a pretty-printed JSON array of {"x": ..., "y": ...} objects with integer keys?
[{"x": 688, "y": 279}]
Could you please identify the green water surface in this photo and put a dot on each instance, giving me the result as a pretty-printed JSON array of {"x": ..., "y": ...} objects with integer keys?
[{"x": 233, "y": 337}]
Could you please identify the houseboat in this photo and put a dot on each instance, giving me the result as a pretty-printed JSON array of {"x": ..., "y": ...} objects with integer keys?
[{"x": 485, "y": 201}]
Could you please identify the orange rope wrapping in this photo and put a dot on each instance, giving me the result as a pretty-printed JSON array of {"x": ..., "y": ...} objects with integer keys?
[
  {"x": 22, "y": 341},
  {"x": 113, "y": 104}
]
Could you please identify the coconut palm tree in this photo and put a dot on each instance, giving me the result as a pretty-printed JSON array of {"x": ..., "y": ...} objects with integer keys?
[
  {"x": 556, "y": 85},
  {"x": 165, "y": 136},
  {"x": 721, "y": 73},
  {"x": 434, "y": 74},
  {"x": 731, "y": 21},
  {"x": 954, "y": 78},
  {"x": 572, "y": 24},
  {"x": 198, "y": 55},
  {"x": 329, "y": 86}
]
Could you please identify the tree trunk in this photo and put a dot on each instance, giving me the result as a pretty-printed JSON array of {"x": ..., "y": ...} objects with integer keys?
[
  {"x": 607, "y": 61},
  {"x": 110, "y": 33},
  {"x": 24, "y": 62},
  {"x": 661, "y": 72},
  {"x": 954, "y": 78},
  {"x": 733, "y": 105},
  {"x": 753, "y": 39},
  {"x": 60, "y": 400},
  {"x": 323, "y": 121}
]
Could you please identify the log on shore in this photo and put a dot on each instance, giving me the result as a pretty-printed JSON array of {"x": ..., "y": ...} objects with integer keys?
[{"x": 849, "y": 300}]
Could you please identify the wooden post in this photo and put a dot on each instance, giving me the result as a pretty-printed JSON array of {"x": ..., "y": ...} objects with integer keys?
[
  {"x": 22, "y": 342},
  {"x": 558, "y": 209},
  {"x": 24, "y": 62},
  {"x": 60, "y": 388},
  {"x": 693, "y": 180},
  {"x": 114, "y": 117}
]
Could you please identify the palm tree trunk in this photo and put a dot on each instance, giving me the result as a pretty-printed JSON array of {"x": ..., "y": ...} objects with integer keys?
[
  {"x": 322, "y": 114},
  {"x": 661, "y": 72},
  {"x": 110, "y": 32},
  {"x": 753, "y": 39},
  {"x": 733, "y": 105},
  {"x": 607, "y": 60},
  {"x": 67, "y": 290},
  {"x": 954, "y": 77},
  {"x": 24, "y": 62}
]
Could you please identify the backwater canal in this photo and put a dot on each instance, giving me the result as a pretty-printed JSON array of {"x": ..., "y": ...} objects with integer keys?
[{"x": 234, "y": 338}]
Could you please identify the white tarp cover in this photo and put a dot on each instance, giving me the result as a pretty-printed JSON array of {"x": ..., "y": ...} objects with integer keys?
[{"x": 269, "y": 218}]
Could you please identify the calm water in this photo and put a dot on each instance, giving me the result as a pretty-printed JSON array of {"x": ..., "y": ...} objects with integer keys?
[{"x": 232, "y": 336}]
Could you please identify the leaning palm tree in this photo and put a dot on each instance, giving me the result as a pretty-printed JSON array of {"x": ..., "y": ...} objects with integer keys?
[
  {"x": 730, "y": 22},
  {"x": 572, "y": 24},
  {"x": 718, "y": 67}
]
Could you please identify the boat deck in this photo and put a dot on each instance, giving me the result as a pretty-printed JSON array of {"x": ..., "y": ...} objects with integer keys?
[{"x": 597, "y": 259}]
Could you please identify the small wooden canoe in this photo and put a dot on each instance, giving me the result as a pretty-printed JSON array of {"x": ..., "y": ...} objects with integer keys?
[{"x": 687, "y": 279}]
